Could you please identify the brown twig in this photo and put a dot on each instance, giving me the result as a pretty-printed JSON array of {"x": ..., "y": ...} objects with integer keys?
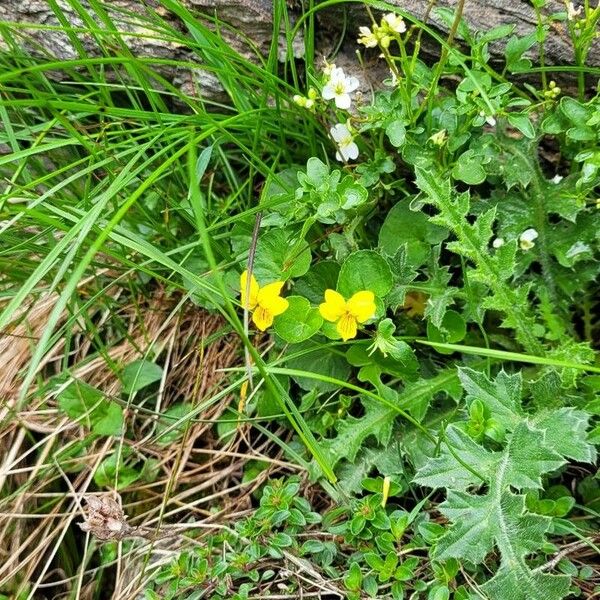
[{"x": 568, "y": 549}]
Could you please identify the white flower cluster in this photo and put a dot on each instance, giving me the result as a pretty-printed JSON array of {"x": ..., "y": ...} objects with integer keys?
[
  {"x": 338, "y": 88},
  {"x": 391, "y": 26}
]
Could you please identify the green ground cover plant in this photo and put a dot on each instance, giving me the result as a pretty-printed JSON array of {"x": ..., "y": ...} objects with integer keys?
[{"x": 312, "y": 340}]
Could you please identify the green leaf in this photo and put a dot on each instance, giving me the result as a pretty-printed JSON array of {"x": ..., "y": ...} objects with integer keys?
[
  {"x": 90, "y": 407},
  {"x": 299, "y": 322},
  {"x": 528, "y": 457},
  {"x": 321, "y": 276},
  {"x": 413, "y": 228},
  {"x": 502, "y": 396},
  {"x": 577, "y": 113},
  {"x": 320, "y": 361},
  {"x": 452, "y": 328},
  {"x": 352, "y": 194},
  {"x": 469, "y": 169},
  {"x": 573, "y": 445},
  {"x": 396, "y": 132},
  {"x": 522, "y": 122},
  {"x": 445, "y": 471},
  {"x": 387, "y": 460},
  {"x": 316, "y": 171},
  {"x": 499, "y": 517},
  {"x": 168, "y": 428},
  {"x": 111, "y": 468},
  {"x": 365, "y": 270},
  {"x": 138, "y": 374},
  {"x": 509, "y": 583},
  {"x": 280, "y": 256},
  {"x": 515, "y": 48},
  {"x": 378, "y": 419}
]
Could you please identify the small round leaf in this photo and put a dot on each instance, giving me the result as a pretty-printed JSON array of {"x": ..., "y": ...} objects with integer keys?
[
  {"x": 365, "y": 270},
  {"x": 299, "y": 322}
]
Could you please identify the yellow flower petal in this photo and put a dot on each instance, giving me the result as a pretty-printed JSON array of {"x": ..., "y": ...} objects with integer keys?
[
  {"x": 262, "y": 318},
  {"x": 268, "y": 292},
  {"x": 276, "y": 305},
  {"x": 333, "y": 307},
  {"x": 254, "y": 289},
  {"x": 362, "y": 306},
  {"x": 346, "y": 327}
]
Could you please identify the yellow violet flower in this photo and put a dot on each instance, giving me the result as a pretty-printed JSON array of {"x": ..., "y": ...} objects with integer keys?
[
  {"x": 266, "y": 301},
  {"x": 347, "y": 314}
]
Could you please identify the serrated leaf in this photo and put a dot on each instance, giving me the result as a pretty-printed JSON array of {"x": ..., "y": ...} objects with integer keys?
[
  {"x": 528, "y": 457},
  {"x": 387, "y": 460},
  {"x": 415, "y": 399},
  {"x": 502, "y": 397},
  {"x": 499, "y": 518},
  {"x": 513, "y": 584},
  {"x": 445, "y": 471},
  {"x": 566, "y": 432},
  {"x": 377, "y": 421}
]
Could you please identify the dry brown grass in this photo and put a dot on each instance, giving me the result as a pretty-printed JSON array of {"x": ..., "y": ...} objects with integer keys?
[{"x": 198, "y": 483}]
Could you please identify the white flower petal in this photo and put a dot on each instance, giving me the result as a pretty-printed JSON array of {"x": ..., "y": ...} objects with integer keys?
[
  {"x": 529, "y": 235},
  {"x": 343, "y": 101},
  {"x": 351, "y": 151},
  {"x": 352, "y": 84},
  {"x": 328, "y": 92},
  {"x": 339, "y": 132}
]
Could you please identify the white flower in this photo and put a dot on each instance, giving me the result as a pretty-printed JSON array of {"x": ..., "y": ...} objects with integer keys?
[
  {"x": 339, "y": 87},
  {"x": 347, "y": 149},
  {"x": 498, "y": 242},
  {"x": 572, "y": 12},
  {"x": 526, "y": 239},
  {"x": 393, "y": 23},
  {"x": 367, "y": 37},
  {"x": 556, "y": 179}
]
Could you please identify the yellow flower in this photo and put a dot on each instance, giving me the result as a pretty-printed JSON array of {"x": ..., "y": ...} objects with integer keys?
[
  {"x": 347, "y": 314},
  {"x": 266, "y": 302}
]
